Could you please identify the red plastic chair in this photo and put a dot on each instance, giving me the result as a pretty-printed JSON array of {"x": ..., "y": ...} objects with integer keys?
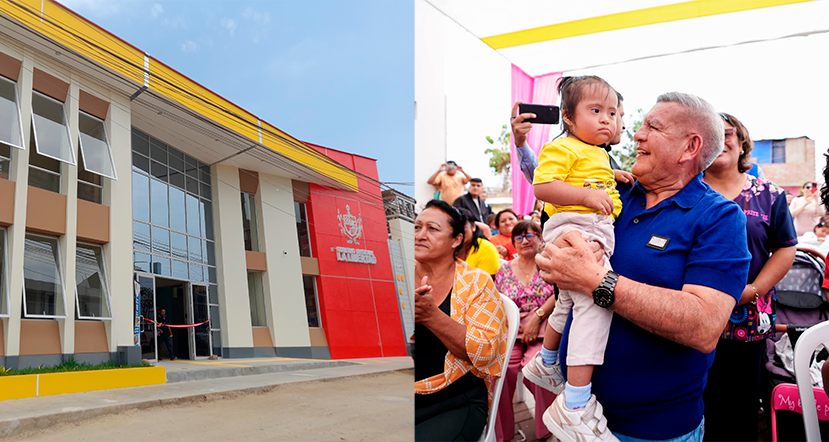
[{"x": 785, "y": 397}]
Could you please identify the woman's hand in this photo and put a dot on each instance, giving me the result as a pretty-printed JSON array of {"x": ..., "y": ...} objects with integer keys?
[
  {"x": 530, "y": 333},
  {"x": 424, "y": 303},
  {"x": 623, "y": 176},
  {"x": 502, "y": 251}
]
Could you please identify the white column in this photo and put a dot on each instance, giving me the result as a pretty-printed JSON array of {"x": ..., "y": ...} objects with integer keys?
[
  {"x": 17, "y": 232},
  {"x": 231, "y": 267},
  {"x": 118, "y": 252},
  {"x": 284, "y": 295},
  {"x": 68, "y": 243}
]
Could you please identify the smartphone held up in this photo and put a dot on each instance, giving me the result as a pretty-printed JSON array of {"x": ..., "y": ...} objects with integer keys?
[{"x": 544, "y": 113}]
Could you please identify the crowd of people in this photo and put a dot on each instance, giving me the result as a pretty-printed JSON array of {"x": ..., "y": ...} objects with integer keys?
[{"x": 646, "y": 297}]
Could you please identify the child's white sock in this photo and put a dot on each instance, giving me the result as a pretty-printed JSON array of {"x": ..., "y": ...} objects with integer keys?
[
  {"x": 550, "y": 357},
  {"x": 577, "y": 397}
]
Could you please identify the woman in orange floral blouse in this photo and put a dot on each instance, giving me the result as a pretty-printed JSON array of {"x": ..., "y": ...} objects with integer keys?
[{"x": 460, "y": 326}]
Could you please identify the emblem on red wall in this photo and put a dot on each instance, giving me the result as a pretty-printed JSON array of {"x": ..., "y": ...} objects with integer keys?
[{"x": 351, "y": 226}]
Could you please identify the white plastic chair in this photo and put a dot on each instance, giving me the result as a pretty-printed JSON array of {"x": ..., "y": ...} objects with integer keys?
[
  {"x": 513, "y": 321},
  {"x": 803, "y": 350}
]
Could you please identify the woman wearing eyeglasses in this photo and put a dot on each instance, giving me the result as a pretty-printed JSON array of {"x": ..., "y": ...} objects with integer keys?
[
  {"x": 519, "y": 279},
  {"x": 806, "y": 208},
  {"x": 733, "y": 390}
]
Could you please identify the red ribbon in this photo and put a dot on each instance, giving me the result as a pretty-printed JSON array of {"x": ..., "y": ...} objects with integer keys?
[{"x": 175, "y": 326}]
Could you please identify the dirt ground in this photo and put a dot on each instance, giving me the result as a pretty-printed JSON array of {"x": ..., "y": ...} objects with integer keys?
[{"x": 376, "y": 407}]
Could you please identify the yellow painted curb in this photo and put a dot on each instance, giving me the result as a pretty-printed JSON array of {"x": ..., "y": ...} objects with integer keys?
[
  {"x": 18, "y": 387},
  {"x": 80, "y": 381},
  {"x": 49, "y": 384}
]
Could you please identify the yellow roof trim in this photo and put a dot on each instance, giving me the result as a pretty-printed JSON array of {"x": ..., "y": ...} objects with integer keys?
[
  {"x": 90, "y": 40},
  {"x": 629, "y": 19}
]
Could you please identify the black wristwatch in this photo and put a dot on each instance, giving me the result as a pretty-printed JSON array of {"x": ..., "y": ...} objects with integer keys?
[{"x": 603, "y": 296}]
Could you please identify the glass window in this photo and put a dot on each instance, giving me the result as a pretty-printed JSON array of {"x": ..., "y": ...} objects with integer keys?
[
  {"x": 778, "y": 151},
  {"x": 140, "y": 237},
  {"x": 309, "y": 284},
  {"x": 140, "y": 143},
  {"x": 249, "y": 222},
  {"x": 211, "y": 253},
  {"x": 4, "y": 298},
  {"x": 179, "y": 245},
  {"x": 195, "y": 250},
  {"x": 5, "y": 160},
  {"x": 90, "y": 185},
  {"x": 11, "y": 129},
  {"x": 51, "y": 129},
  {"x": 196, "y": 272},
  {"x": 140, "y": 162},
  {"x": 141, "y": 262},
  {"x": 43, "y": 294},
  {"x": 44, "y": 172},
  {"x": 140, "y": 197},
  {"x": 193, "y": 225},
  {"x": 92, "y": 291},
  {"x": 160, "y": 204},
  {"x": 180, "y": 269},
  {"x": 256, "y": 294},
  {"x": 302, "y": 229},
  {"x": 206, "y": 212},
  {"x": 161, "y": 241},
  {"x": 97, "y": 155},
  {"x": 161, "y": 266},
  {"x": 178, "y": 219}
]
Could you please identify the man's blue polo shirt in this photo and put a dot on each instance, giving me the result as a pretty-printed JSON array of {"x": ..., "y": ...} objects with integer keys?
[{"x": 650, "y": 387}]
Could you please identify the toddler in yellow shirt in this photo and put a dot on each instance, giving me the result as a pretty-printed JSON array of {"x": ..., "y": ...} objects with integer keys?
[{"x": 575, "y": 180}]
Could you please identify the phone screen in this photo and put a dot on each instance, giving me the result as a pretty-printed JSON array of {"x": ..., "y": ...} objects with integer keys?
[{"x": 814, "y": 187}]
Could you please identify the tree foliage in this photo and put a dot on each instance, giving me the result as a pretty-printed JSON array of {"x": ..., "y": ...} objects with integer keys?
[
  {"x": 499, "y": 156},
  {"x": 626, "y": 150}
]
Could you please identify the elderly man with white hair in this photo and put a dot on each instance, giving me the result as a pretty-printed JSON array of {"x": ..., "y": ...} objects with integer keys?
[{"x": 680, "y": 265}]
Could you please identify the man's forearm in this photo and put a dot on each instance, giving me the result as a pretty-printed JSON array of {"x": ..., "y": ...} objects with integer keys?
[
  {"x": 526, "y": 161},
  {"x": 694, "y": 316}
]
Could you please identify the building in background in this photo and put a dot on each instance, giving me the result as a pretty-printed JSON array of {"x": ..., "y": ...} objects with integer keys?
[
  {"x": 788, "y": 162},
  {"x": 127, "y": 188},
  {"x": 400, "y": 218}
]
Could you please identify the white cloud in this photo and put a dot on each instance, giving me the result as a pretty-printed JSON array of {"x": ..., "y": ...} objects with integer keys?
[
  {"x": 156, "y": 10},
  {"x": 261, "y": 23},
  {"x": 229, "y": 24},
  {"x": 260, "y": 18},
  {"x": 190, "y": 46}
]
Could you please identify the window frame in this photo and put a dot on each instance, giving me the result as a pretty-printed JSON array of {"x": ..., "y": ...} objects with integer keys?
[
  {"x": 260, "y": 276},
  {"x": 5, "y": 276},
  {"x": 250, "y": 199},
  {"x": 104, "y": 283},
  {"x": 109, "y": 148},
  {"x": 19, "y": 114},
  {"x": 59, "y": 265},
  {"x": 65, "y": 126},
  {"x": 316, "y": 301},
  {"x": 777, "y": 146},
  {"x": 304, "y": 207}
]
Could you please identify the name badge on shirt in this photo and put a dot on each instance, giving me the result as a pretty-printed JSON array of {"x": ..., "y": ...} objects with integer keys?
[{"x": 658, "y": 242}]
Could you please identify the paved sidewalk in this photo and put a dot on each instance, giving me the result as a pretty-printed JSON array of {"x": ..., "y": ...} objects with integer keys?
[{"x": 188, "y": 381}]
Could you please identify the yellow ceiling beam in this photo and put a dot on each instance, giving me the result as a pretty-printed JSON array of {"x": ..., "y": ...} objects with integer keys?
[{"x": 630, "y": 19}]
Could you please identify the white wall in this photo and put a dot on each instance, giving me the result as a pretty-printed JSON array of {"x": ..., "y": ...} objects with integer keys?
[
  {"x": 463, "y": 94},
  {"x": 284, "y": 294}
]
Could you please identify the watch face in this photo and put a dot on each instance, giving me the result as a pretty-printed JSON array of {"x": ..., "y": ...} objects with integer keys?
[{"x": 603, "y": 297}]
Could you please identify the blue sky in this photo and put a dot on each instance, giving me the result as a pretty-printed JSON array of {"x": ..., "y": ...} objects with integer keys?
[{"x": 338, "y": 73}]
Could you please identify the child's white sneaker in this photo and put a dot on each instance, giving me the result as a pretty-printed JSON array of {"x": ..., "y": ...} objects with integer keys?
[
  {"x": 547, "y": 377},
  {"x": 581, "y": 425}
]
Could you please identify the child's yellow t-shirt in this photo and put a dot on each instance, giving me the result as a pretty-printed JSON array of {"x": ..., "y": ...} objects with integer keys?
[{"x": 578, "y": 164}]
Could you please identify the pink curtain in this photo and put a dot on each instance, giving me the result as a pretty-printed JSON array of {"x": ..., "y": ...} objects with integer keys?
[{"x": 538, "y": 90}]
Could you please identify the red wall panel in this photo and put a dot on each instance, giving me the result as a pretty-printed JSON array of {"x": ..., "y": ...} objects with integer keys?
[{"x": 358, "y": 301}]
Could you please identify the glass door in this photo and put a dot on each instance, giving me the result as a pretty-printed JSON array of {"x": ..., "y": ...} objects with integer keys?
[
  {"x": 147, "y": 330},
  {"x": 200, "y": 336}
]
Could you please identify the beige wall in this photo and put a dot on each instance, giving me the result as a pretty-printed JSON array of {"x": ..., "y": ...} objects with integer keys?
[
  {"x": 118, "y": 196},
  {"x": 284, "y": 296},
  {"x": 230, "y": 258}
]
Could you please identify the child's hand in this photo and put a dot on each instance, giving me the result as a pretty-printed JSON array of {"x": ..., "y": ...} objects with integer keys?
[
  {"x": 623, "y": 176},
  {"x": 599, "y": 200}
]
